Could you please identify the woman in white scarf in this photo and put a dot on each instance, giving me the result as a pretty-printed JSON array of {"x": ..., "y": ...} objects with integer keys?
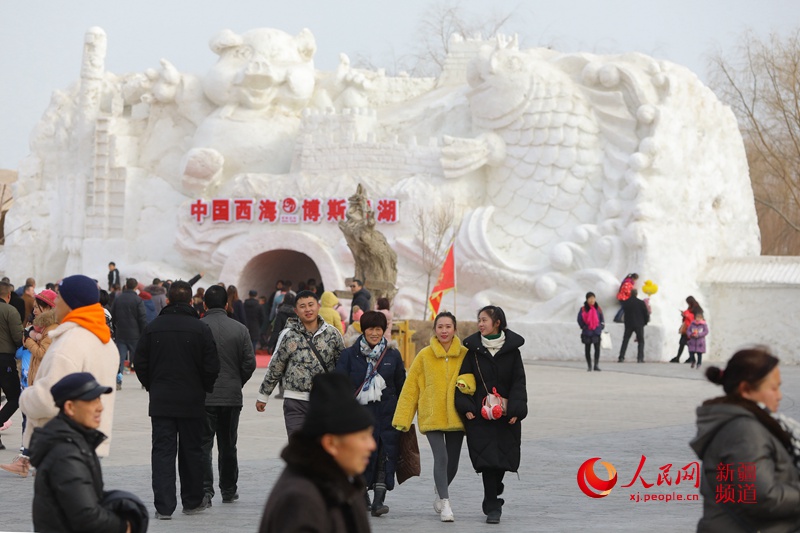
[{"x": 377, "y": 374}]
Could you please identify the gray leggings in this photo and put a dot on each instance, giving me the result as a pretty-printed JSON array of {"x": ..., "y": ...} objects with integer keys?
[{"x": 446, "y": 448}]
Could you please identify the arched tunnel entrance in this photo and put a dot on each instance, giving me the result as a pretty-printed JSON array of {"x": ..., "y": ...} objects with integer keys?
[{"x": 263, "y": 270}]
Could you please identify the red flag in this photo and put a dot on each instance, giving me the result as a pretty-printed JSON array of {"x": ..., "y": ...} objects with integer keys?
[{"x": 446, "y": 282}]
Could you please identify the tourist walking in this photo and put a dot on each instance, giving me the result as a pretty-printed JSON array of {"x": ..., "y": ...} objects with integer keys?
[
  {"x": 254, "y": 315},
  {"x": 236, "y": 306},
  {"x": 592, "y": 323},
  {"x": 321, "y": 488},
  {"x": 176, "y": 361},
  {"x": 697, "y": 332},
  {"x": 82, "y": 342},
  {"x": 493, "y": 366},
  {"x": 38, "y": 340},
  {"x": 687, "y": 316},
  {"x": 377, "y": 375},
  {"x": 237, "y": 362},
  {"x": 744, "y": 431},
  {"x": 361, "y": 298},
  {"x": 307, "y": 346},
  {"x": 636, "y": 318},
  {"x": 628, "y": 284},
  {"x": 429, "y": 392},
  {"x": 10, "y": 340},
  {"x": 129, "y": 317},
  {"x": 68, "y": 490}
]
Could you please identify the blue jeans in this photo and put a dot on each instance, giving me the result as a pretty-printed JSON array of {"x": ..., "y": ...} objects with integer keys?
[{"x": 125, "y": 347}]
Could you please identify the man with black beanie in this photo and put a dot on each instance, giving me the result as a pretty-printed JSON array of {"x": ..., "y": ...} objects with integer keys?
[
  {"x": 176, "y": 361},
  {"x": 321, "y": 488}
]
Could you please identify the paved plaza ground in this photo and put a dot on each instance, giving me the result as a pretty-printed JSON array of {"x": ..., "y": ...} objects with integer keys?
[{"x": 625, "y": 411}]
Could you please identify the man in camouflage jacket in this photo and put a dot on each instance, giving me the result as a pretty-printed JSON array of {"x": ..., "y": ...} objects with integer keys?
[{"x": 295, "y": 362}]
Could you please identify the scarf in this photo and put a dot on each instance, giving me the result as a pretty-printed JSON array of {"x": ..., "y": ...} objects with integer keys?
[
  {"x": 494, "y": 345},
  {"x": 590, "y": 318},
  {"x": 372, "y": 389},
  {"x": 790, "y": 426},
  {"x": 93, "y": 318}
]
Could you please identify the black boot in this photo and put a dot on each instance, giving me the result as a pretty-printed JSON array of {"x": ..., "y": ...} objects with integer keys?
[
  {"x": 366, "y": 499},
  {"x": 596, "y": 360},
  {"x": 690, "y": 360},
  {"x": 676, "y": 359},
  {"x": 588, "y": 361},
  {"x": 378, "y": 507}
]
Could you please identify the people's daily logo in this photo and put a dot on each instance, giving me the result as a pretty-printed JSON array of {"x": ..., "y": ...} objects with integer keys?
[{"x": 591, "y": 484}]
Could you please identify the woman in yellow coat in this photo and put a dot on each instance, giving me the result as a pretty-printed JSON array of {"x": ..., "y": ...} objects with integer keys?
[{"x": 429, "y": 391}]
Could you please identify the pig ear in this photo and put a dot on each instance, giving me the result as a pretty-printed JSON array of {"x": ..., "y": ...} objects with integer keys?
[
  {"x": 306, "y": 45},
  {"x": 224, "y": 39}
]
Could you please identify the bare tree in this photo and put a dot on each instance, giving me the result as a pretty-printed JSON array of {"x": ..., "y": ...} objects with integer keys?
[
  {"x": 435, "y": 27},
  {"x": 761, "y": 83},
  {"x": 435, "y": 230}
]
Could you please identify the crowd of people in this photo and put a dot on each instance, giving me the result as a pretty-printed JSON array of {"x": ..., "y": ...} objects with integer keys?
[
  {"x": 193, "y": 364},
  {"x": 344, "y": 406}
]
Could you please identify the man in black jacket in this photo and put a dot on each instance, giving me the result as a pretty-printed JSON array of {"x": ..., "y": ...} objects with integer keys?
[
  {"x": 636, "y": 318},
  {"x": 113, "y": 276},
  {"x": 224, "y": 405},
  {"x": 176, "y": 361},
  {"x": 361, "y": 297},
  {"x": 68, "y": 489},
  {"x": 129, "y": 319}
]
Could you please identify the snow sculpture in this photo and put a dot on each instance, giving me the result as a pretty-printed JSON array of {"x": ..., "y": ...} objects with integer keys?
[{"x": 564, "y": 171}]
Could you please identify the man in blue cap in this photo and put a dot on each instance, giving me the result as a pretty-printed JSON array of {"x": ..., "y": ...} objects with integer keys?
[
  {"x": 63, "y": 451},
  {"x": 82, "y": 342}
]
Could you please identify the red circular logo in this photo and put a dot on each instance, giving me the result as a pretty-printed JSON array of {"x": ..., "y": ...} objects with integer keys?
[
  {"x": 587, "y": 478},
  {"x": 289, "y": 205}
]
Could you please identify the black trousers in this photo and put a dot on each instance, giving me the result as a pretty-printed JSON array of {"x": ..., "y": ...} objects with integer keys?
[
  {"x": 222, "y": 421},
  {"x": 492, "y": 488},
  {"x": 9, "y": 384},
  {"x": 630, "y": 330},
  {"x": 181, "y": 437},
  {"x": 294, "y": 414}
]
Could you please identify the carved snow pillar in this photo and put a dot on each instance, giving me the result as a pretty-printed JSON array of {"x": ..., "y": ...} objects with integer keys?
[{"x": 376, "y": 262}]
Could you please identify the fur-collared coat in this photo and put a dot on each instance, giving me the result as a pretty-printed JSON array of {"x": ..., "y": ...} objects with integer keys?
[
  {"x": 46, "y": 320},
  {"x": 314, "y": 494},
  {"x": 430, "y": 389}
]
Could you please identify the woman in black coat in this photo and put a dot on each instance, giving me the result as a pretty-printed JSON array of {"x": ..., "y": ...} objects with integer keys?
[
  {"x": 591, "y": 322},
  {"x": 493, "y": 364},
  {"x": 377, "y": 375}
]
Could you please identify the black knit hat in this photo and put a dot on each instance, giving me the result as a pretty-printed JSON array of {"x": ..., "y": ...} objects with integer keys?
[{"x": 333, "y": 408}]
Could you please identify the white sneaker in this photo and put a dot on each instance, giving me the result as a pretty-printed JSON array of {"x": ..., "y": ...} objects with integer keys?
[
  {"x": 437, "y": 503},
  {"x": 447, "y": 512}
]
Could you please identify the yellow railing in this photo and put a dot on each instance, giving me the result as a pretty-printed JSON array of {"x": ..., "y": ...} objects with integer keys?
[{"x": 405, "y": 342}]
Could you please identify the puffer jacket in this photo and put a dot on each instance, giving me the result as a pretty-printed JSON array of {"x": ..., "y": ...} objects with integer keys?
[
  {"x": 313, "y": 482},
  {"x": 697, "y": 336},
  {"x": 430, "y": 389},
  {"x": 237, "y": 361},
  {"x": 328, "y": 313},
  {"x": 732, "y": 430},
  {"x": 68, "y": 488},
  {"x": 494, "y": 444},
  {"x": 353, "y": 364},
  {"x": 295, "y": 363}
]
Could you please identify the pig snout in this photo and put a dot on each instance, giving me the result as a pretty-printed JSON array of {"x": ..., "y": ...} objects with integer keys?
[{"x": 259, "y": 75}]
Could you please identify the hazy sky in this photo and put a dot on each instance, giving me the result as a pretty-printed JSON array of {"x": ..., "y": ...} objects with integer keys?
[{"x": 41, "y": 41}]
